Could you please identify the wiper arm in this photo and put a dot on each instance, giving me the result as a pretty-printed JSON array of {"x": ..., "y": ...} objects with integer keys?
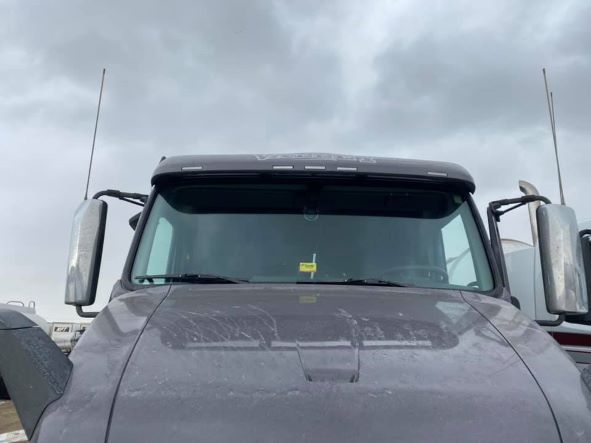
[
  {"x": 190, "y": 278},
  {"x": 373, "y": 282}
]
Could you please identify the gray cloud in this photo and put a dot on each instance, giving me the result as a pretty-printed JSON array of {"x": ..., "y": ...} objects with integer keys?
[
  {"x": 176, "y": 78},
  {"x": 458, "y": 82},
  {"x": 482, "y": 80}
]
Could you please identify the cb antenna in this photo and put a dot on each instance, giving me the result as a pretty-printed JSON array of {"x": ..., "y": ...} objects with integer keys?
[
  {"x": 98, "y": 111},
  {"x": 550, "y": 100}
]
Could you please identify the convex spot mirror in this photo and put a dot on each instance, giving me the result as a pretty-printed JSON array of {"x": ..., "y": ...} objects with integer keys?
[
  {"x": 585, "y": 236},
  {"x": 86, "y": 247},
  {"x": 562, "y": 260}
]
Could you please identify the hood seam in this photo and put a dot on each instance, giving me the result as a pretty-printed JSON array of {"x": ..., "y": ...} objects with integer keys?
[
  {"x": 522, "y": 361},
  {"x": 137, "y": 339}
]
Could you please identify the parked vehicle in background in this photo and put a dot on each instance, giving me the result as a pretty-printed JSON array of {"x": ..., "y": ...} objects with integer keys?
[
  {"x": 573, "y": 332},
  {"x": 306, "y": 297},
  {"x": 66, "y": 335}
]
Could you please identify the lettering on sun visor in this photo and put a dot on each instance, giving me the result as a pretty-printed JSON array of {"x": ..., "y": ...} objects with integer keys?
[{"x": 320, "y": 157}]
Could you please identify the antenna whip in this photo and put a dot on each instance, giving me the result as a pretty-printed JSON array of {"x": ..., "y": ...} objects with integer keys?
[
  {"x": 550, "y": 100},
  {"x": 98, "y": 111}
]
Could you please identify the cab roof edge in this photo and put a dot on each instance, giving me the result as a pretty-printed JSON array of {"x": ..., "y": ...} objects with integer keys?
[{"x": 314, "y": 163}]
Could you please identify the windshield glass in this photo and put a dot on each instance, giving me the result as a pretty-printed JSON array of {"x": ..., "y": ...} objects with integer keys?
[{"x": 313, "y": 233}]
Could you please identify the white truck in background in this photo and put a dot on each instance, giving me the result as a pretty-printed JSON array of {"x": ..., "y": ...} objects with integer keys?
[
  {"x": 573, "y": 332},
  {"x": 65, "y": 335}
]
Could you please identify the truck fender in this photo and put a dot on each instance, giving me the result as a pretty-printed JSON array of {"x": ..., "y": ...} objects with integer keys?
[{"x": 33, "y": 368}]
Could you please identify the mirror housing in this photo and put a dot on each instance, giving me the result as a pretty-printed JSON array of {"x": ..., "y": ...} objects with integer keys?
[
  {"x": 562, "y": 260},
  {"x": 86, "y": 248}
]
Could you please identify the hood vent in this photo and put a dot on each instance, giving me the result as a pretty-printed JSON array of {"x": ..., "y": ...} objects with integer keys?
[{"x": 329, "y": 361}]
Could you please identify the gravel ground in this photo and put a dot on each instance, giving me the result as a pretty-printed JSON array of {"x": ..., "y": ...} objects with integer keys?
[{"x": 9, "y": 423}]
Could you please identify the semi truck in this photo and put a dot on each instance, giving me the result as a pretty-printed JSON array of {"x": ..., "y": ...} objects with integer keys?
[
  {"x": 573, "y": 332},
  {"x": 306, "y": 297}
]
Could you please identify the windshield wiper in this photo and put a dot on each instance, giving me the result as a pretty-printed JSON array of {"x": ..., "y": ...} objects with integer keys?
[
  {"x": 373, "y": 282},
  {"x": 356, "y": 282},
  {"x": 190, "y": 278}
]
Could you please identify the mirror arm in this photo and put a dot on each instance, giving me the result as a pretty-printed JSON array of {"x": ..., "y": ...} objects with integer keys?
[
  {"x": 129, "y": 197},
  {"x": 83, "y": 314},
  {"x": 494, "y": 214},
  {"x": 516, "y": 202}
]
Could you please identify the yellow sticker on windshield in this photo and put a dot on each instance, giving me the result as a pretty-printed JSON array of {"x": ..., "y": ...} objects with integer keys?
[{"x": 307, "y": 267}]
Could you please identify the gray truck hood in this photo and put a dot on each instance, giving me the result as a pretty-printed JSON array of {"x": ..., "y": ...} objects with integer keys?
[{"x": 252, "y": 363}]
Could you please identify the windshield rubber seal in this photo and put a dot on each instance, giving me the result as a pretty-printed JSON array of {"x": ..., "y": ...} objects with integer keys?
[
  {"x": 498, "y": 288},
  {"x": 126, "y": 281}
]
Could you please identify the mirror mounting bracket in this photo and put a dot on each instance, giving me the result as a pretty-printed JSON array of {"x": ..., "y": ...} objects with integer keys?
[
  {"x": 494, "y": 214},
  {"x": 83, "y": 314},
  {"x": 556, "y": 322},
  {"x": 129, "y": 197},
  {"x": 495, "y": 206}
]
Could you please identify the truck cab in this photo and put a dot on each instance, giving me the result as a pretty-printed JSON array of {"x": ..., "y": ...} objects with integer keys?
[{"x": 305, "y": 297}]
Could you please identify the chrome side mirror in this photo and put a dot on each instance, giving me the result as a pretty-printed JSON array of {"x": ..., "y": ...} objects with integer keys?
[
  {"x": 562, "y": 260},
  {"x": 86, "y": 248}
]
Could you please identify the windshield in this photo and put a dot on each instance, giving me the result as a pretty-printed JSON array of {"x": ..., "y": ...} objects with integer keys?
[{"x": 313, "y": 233}]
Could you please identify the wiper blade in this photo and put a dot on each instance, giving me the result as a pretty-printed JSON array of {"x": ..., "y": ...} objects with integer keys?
[
  {"x": 190, "y": 278},
  {"x": 373, "y": 282},
  {"x": 355, "y": 282}
]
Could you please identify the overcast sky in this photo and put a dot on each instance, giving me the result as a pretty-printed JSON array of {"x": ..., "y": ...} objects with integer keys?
[{"x": 457, "y": 81}]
